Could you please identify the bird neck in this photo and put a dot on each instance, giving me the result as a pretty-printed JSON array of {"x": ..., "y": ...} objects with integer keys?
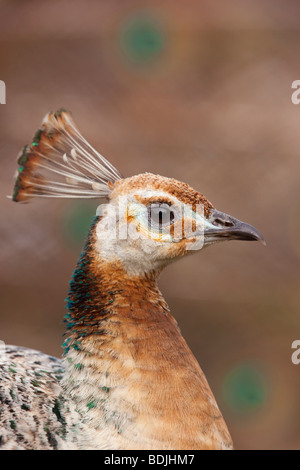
[
  {"x": 128, "y": 369},
  {"x": 100, "y": 291}
]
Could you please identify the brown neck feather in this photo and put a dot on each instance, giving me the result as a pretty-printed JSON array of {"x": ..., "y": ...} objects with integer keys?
[
  {"x": 101, "y": 290},
  {"x": 131, "y": 364}
]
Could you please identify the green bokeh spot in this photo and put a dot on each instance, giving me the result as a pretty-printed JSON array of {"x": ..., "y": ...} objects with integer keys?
[
  {"x": 245, "y": 388},
  {"x": 142, "y": 38},
  {"x": 77, "y": 220}
]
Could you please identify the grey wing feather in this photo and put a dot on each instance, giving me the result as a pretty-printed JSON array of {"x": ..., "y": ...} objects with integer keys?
[{"x": 32, "y": 409}]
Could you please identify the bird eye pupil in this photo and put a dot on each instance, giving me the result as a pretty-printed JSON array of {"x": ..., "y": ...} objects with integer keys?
[{"x": 160, "y": 215}]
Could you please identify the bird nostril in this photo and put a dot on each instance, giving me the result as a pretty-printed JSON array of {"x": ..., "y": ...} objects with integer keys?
[
  {"x": 228, "y": 224},
  {"x": 222, "y": 222}
]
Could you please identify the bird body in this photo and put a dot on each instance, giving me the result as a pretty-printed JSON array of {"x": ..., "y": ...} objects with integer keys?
[
  {"x": 30, "y": 401},
  {"x": 127, "y": 379}
]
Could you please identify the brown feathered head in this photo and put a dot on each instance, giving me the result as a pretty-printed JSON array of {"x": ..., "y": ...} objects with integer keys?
[{"x": 147, "y": 221}]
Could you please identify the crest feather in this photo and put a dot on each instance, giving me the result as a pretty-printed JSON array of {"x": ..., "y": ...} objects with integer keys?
[{"x": 61, "y": 163}]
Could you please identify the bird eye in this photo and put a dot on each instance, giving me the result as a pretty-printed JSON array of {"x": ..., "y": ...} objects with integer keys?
[{"x": 160, "y": 215}]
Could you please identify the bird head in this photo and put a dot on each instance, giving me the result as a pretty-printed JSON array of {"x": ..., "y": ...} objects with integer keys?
[
  {"x": 145, "y": 221},
  {"x": 151, "y": 220}
]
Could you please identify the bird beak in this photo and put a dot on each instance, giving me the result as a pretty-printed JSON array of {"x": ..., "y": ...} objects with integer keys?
[{"x": 221, "y": 227}]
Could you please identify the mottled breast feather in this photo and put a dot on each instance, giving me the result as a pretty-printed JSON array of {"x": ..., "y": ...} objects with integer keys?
[{"x": 32, "y": 410}]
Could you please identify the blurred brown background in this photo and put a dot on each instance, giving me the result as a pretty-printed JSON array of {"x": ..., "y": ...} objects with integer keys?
[{"x": 199, "y": 91}]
